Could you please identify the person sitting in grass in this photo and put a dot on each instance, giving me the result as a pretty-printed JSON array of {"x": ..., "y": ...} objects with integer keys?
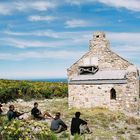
[
  {"x": 36, "y": 113},
  {"x": 12, "y": 114},
  {"x": 57, "y": 125},
  {"x": 78, "y": 126}
]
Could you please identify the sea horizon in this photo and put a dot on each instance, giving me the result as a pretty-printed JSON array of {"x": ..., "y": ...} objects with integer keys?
[{"x": 38, "y": 79}]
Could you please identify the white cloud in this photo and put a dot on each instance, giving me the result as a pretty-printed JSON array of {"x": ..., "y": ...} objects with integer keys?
[
  {"x": 63, "y": 39},
  {"x": 128, "y": 49},
  {"x": 76, "y": 23},
  {"x": 7, "y": 32},
  {"x": 41, "y": 18},
  {"x": 125, "y": 44},
  {"x": 114, "y": 37},
  {"x": 124, "y": 38},
  {"x": 53, "y": 34},
  {"x": 41, "y": 55},
  {"x": 27, "y": 74},
  {"x": 7, "y": 8},
  {"x": 78, "y": 2},
  {"x": 120, "y": 42},
  {"x": 20, "y": 43},
  {"x": 34, "y": 5},
  {"x": 133, "y": 5}
]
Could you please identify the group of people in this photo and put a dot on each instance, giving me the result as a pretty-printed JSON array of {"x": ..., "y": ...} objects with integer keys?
[{"x": 78, "y": 126}]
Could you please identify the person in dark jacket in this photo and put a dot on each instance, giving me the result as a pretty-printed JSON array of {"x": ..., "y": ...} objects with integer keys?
[
  {"x": 76, "y": 123},
  {"x": 12, "y": 114},
  {"x": 1, "y": 111},
  {"x": 37, "y": 113},
  {"x": 57, "y": 125}
]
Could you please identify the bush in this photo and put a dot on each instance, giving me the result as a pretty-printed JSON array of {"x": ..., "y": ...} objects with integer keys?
[
  {"x": 12, "y": 89},
  {"x": 25, "y": 130}
]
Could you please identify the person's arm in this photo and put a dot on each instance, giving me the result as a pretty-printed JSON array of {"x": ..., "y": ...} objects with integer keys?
[
  {"x": 63, "y": 124},
  {"x": 1, "y": 111},
  {"x": 38, "y": 112},
  {"x": 83, "y": 122},
  {"x": 17, "y": 114}
]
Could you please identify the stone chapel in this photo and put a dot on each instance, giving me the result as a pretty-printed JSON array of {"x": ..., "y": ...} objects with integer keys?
[{"x": 101, "y": 78}]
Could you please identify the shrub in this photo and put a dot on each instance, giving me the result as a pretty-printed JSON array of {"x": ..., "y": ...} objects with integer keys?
[
  {"x": 12, "y": 89},
  {"x": 20, "y": 130}
]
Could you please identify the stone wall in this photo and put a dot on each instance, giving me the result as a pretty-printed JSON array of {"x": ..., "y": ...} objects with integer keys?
[
  {"x": 90, "y": 96},
  {"x": 132, "y": 90}
]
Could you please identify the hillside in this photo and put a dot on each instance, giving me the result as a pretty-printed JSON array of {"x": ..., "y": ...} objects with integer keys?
[{"x": 105, "y": 124}]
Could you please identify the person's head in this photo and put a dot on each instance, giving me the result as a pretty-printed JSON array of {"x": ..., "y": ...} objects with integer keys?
[
  {"x": 77, "y": 114},
  {"x": 57, "y": 115},
  {"x": 11, "y": 107},
  {"x": 36, "y": 104}
]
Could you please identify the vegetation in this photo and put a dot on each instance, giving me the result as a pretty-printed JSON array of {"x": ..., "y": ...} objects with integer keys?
[
  {"x": 13, "y": 89},
  {"x": 25, "y": 130},
  {"x": 105, "y": 124}
]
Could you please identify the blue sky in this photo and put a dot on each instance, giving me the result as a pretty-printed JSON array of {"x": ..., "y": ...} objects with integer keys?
[{"x": 42, "y": 38}]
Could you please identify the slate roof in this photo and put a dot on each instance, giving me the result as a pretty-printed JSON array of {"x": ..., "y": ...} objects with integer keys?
[
  {"x": 106, "y": 75},
  {"x": 110, "y": 76}
]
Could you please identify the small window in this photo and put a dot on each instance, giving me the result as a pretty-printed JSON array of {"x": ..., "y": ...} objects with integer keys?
[
  {"x": 97, "y": 36},
  {"x": 113, "y": 94},
  {"x": 135, "y": 99},
  {"x": 86, "y": 70}
]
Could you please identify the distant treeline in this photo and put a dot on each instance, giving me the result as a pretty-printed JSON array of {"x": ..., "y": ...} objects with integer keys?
[{"x": 14, "y": 89}]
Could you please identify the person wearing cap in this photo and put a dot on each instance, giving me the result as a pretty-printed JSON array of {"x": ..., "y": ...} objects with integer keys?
[
  {"x": 12, "y": 114},
  {"x": 76, "y": 124},
  {"x": 36, "y": 113},
  {"x": 57, "y": 125},
  {"x": 1, "y": 111}
]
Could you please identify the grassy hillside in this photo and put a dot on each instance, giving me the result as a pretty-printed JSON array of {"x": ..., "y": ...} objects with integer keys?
[{"x": 104, "y": 124}]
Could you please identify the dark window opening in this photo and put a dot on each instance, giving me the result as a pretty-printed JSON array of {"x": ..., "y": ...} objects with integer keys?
[
  {"x": 85, "y": 70},
  {"x": 97, "y": 36},
  {"x": 135, "y": 99},
  {"x": 113, "y": 94}
]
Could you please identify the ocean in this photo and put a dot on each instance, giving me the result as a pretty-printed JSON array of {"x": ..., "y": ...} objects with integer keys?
[{"x": 64, "y": 80}]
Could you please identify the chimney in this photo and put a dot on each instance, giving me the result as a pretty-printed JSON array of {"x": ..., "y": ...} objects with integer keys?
[{"x": 98, "y": 41}]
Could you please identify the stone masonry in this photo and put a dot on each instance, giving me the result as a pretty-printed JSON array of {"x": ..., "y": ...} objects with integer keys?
[{"x": 92, "y": 78}]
